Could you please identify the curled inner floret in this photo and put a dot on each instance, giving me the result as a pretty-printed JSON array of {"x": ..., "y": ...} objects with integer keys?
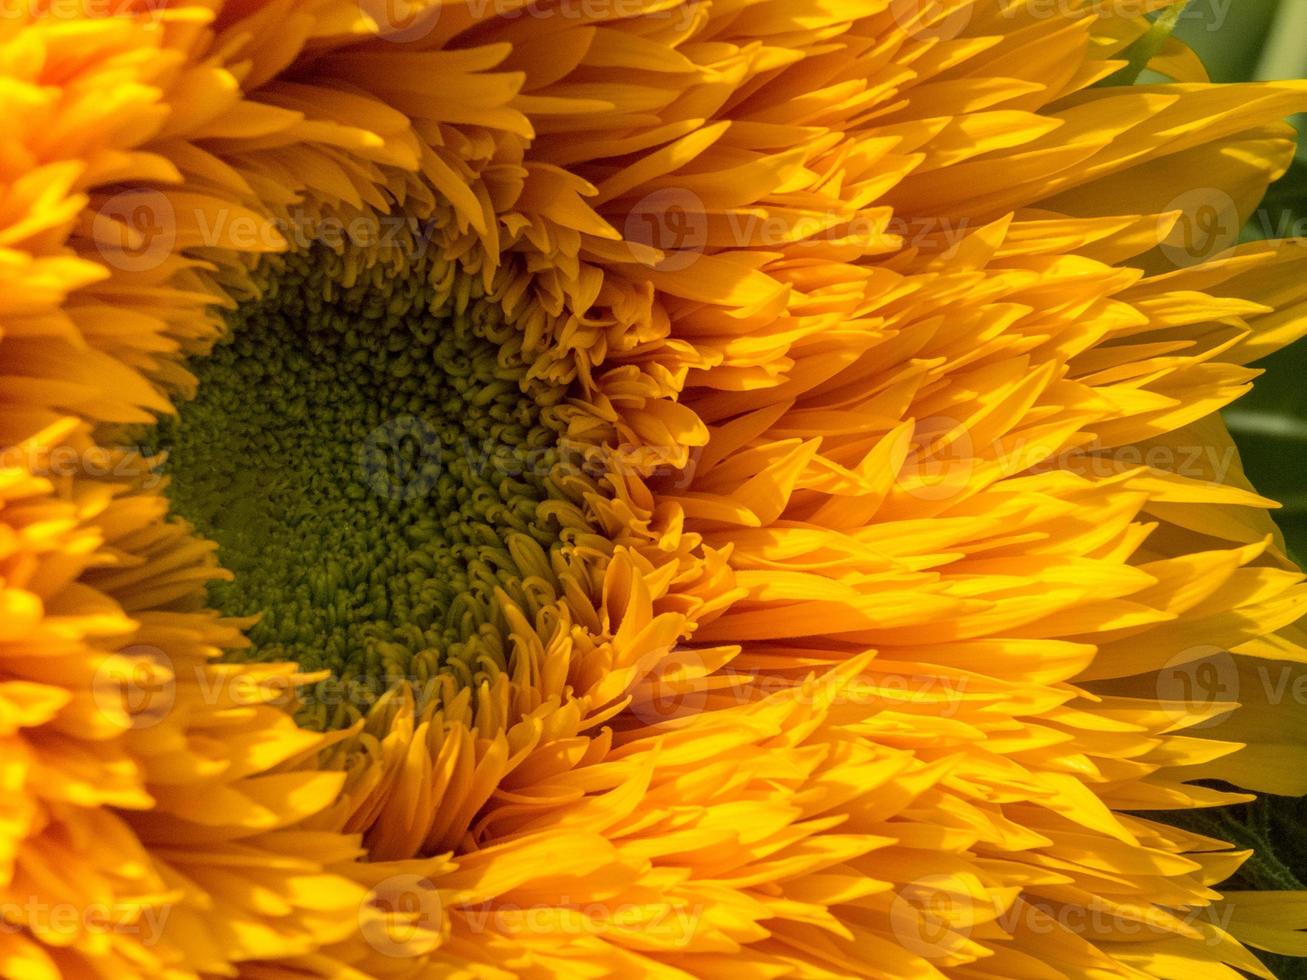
[{"x": 375, "y": 462}]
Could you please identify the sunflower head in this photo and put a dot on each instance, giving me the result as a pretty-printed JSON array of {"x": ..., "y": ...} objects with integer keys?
[
  {"x": 636, "y": 488},
  {"x": 376, "y": 463}
]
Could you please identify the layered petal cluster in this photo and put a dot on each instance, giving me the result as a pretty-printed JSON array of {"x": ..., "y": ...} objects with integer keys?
[{"x": 899, "y": 577}]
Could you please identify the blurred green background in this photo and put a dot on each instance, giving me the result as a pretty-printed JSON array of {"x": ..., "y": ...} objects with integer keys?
[{"x": 1241, "y": 40}]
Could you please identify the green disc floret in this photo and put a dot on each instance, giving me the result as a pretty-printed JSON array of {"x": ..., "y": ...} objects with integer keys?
[{"x": 370, "y": 455}]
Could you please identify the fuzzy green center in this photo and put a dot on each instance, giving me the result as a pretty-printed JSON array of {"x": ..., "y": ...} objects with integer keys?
[{"x": 371, "y": 457}]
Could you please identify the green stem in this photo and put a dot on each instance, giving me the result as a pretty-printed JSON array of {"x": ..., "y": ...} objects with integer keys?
[{"x": 1148, "y": 47}]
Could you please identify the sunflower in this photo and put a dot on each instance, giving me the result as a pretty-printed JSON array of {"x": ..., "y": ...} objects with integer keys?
[{"x": 592, "y": 488}]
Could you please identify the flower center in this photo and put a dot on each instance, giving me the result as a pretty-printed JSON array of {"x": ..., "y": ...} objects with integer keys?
[{"x": 370, "y": 455}]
